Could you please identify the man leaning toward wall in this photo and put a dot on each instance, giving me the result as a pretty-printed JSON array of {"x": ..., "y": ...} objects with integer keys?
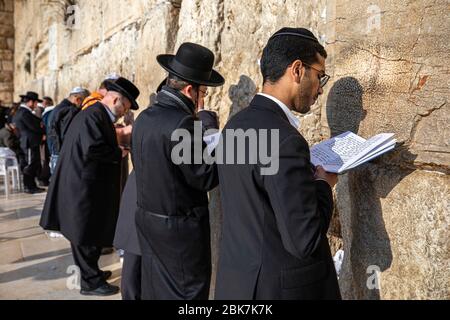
[
  {"x": 84, "y": 194},
  {"x": 62, "y": 117},
  {"x": 274, "y": 243},
  {"x": 172, "y": 218}
]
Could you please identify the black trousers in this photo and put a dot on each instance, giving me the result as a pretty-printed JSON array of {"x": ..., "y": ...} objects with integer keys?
[
  {"x": 86, "y": 258},
  {"x": 44, "y": 172},
  {"x": 131, "y": 277},
  {"x": 30, "y": 163}
]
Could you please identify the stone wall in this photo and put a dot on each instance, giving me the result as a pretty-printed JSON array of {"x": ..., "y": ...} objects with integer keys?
[
  {"x": 389, "y": 62},
  {"x": 6, "y": 51}
]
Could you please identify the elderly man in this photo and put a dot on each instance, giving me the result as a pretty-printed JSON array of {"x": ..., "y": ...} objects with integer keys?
[
  {"x": 62, "y": 117},
  {"x": 98, "y": 95},
  {"x": 84, "y": 194},
  {"x": 30, "y": 130}
]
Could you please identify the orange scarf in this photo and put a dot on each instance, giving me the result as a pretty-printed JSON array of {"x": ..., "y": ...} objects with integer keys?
[{"x": 92, "y": 99}]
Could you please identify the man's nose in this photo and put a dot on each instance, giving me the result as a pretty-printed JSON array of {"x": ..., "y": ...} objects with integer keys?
[{"x": 320, "y": 91}]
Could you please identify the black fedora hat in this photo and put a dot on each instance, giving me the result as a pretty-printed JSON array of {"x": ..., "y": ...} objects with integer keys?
[
  {"x": 193, "y": 63},
  {"x": 31, "y": 95},
  {"x": 126, "y": 88}
]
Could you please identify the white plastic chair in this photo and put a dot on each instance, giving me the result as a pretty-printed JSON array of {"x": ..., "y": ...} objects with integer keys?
[
  {"x": 12, "y": 167},
  {"x": 9, "y": 169},
  {"x": 4, "y": 174}
]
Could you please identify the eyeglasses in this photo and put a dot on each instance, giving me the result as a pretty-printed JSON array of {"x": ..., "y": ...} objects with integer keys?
[
  {"x": 323, "y": 78},
  {"x": 205, "y": 93}
]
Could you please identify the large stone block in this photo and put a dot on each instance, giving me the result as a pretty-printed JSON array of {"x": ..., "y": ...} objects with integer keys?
[
  {"x": 395, "y": 222},
  {"x": 389, "y": 63}
]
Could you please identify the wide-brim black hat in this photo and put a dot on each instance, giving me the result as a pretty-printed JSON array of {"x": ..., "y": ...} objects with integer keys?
[
  {"x": 126, "y": 88},
  {"x": 193, "y": 63},
  {"x": 31, "y": 95}
]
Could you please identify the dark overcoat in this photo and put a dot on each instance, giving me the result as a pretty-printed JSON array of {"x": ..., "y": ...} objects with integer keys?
[
  {"x": 29, "y": 129},
  {"x": 61, "y": 118},
  {"x": 84, "y": 194},
  {"x": 126, "y": 234},
  {"x": 172, "y": 218}
]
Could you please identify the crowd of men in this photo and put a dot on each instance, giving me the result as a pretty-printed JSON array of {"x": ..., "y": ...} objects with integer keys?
[{"x": 273, "y": 244}]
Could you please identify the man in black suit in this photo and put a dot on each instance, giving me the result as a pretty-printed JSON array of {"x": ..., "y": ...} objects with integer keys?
[
  {"x": 274, "y": 243},
  {"x": 31, "y": 131},
  {"x": 83, "y": 198},
  {"x": 172, "y": 218},
  {"x": 62, "y": 117}
]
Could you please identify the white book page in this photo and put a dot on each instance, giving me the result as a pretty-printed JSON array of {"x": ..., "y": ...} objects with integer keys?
[
  {"x": 212, "y": 141},
  {"x": 333, "y": 154},
  {"x": 368, "y": 148},
  {"x": 386, "y": 147}
]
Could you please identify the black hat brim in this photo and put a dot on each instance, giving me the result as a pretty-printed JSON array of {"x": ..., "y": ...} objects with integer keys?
[
  {"x": 111, "y": 86},
  {"x": 38, "y": 100},
  {"x": 215, "y": 80}
]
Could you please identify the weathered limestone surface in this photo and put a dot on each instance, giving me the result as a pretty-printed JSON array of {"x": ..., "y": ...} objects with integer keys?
[
  {"x": 389, "y": 62},
  {"x": 6, "y": 51}
]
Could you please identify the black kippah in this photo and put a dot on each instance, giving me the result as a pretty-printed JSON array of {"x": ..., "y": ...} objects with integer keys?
[{"x": 294, "y": 34}]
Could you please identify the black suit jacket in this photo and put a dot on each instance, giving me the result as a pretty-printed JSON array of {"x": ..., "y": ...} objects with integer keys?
[
  {"x": 30, "y": 129},
  {"x": 274, "y": 243},
  {"x": 84, "y": 193}
]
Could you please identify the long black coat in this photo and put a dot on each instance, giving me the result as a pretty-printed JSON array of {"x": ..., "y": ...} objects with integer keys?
[
  {"x": 30, "y": 129},
  {"x": 126, "y": 234},
  {"x": 172, "y": 217},
  {"x": 274, "y": 243},
  {"x": 62, "y": 116},
  {"x": 84, "y": 194}
]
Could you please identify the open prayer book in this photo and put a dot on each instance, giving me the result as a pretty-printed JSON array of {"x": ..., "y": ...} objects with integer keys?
[
  {"x": 212, "y": 141},
  {"x": 348, "y": 150}
]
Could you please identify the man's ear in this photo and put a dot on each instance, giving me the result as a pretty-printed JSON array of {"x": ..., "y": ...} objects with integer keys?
[
  {"x": 189, "y": 91},
  {"x": 297, "y": 70}
]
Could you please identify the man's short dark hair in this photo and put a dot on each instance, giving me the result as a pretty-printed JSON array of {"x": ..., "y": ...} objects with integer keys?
[
  {"x": 177, "y": 83},
  {"x": 48, "y": 100},
  {"x": 281, "y": 51}
]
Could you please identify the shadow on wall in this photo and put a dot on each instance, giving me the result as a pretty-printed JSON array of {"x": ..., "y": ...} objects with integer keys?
[
  {"x": 241, "y": 94},
  {"x": 367, "y": 245}
]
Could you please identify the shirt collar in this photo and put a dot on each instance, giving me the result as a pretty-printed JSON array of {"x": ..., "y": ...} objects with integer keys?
[
  {"x": 292, "y": 119},
  {"x": 110, "y": 114}
]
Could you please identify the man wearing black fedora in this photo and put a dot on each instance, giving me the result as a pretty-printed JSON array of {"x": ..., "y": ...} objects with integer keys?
[
  {"x": 172, "y": 217},
  {"x": 31, "y": 131},
  {"x": 83, "y": 198}
]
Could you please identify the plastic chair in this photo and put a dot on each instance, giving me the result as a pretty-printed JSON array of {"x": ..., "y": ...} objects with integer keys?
[
  {"x": 4, "y": 174},
  {"x": 13, "y": 170},
  {"x": 9, "y": 169}
]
